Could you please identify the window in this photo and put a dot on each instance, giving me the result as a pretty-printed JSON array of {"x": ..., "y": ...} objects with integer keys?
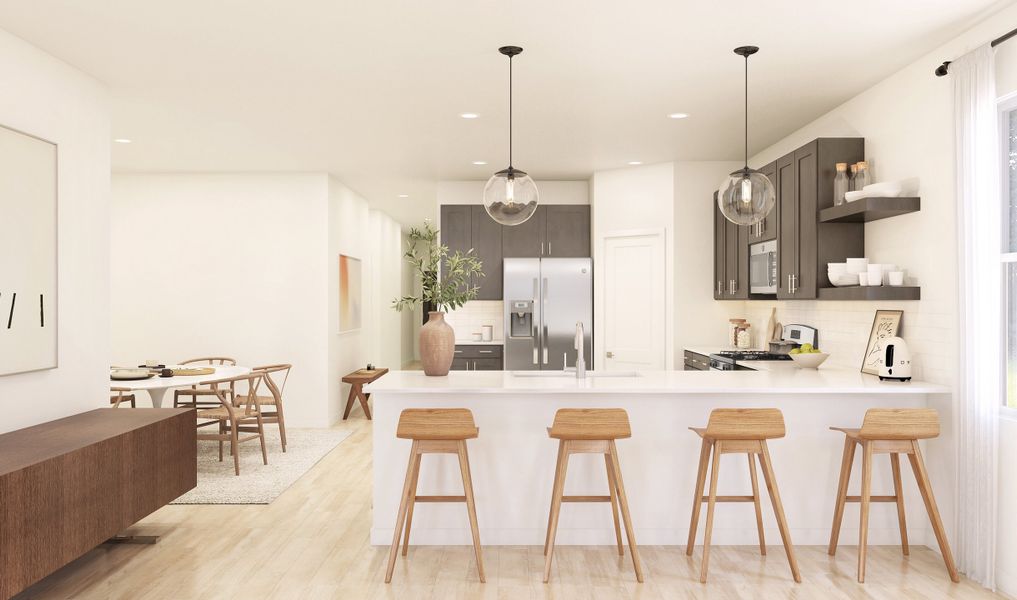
[{"x": 1008, "y": 126}]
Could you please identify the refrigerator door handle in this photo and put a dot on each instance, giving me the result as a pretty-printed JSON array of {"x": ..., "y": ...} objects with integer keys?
[
  {"x": 542, "y": 322},
  {"x": 535, "y": 326}
]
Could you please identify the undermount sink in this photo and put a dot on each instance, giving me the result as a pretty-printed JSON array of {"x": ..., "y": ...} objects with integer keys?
[{"x": 572, "y": 374}]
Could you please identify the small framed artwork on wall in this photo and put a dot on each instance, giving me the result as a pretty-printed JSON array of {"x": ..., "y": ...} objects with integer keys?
[
  {"x": 885, "y": 324},
  {"x": 350, "y": 294},
  {"x": 28, "y": 253}
]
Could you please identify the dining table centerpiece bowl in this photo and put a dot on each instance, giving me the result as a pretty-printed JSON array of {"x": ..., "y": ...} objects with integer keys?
[{"x": 456, "y": 286}]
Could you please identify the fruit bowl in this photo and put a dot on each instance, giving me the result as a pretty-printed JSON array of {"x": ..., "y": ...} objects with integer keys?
[{"x": 809, "y": 360}]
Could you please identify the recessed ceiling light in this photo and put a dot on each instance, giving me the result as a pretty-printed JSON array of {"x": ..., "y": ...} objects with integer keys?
[
  {"x": 678, "y": 116},
  {"x": 404, "y": 195},
  {"x": 480, "y": 162},
  {"x": 122, "y": 140},
  {"x": 635, "y": 162},
  {"x": 469, "y": 115}
]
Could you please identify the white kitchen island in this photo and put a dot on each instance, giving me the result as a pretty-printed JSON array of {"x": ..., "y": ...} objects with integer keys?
[{"x": 513, "y": 459}]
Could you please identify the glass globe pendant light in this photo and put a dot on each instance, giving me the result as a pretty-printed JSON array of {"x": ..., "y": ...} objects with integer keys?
[
  {"x": 510, "y": 196},
  {"x": 746, "y": 196}
]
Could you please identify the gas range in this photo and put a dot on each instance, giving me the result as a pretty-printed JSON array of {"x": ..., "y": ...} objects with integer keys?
[{"x": 727, "y": 360}]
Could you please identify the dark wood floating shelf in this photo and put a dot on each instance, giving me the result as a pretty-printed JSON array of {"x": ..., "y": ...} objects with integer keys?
[
  {"x": 868, "y": 292},
  {"x": 869, "y": 209}
]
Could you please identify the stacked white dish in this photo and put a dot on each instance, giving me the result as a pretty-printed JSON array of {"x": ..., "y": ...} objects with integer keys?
[{"x": 846, "y": 273}]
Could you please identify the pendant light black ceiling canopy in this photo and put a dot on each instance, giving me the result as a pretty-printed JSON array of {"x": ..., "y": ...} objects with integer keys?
[
  {"x": 510, "y": 196},
  {"x": 747, "y": 195}
]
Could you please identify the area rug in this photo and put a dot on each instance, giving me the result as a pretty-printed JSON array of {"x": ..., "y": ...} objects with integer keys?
[{"x": 259, "y": 483}]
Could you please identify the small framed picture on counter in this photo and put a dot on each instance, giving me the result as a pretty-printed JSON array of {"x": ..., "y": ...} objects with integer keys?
[{"x": 885, "y": 325}]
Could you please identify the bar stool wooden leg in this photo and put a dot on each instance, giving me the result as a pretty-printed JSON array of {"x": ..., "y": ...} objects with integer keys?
[
  {"x": 778, "y": 509},
  {"x": 550, "y": 510},
  {"x": 704, "y": 462},
  {"x": 898, "y": 492},
  {"x": 623, "y": 500},
  {"x": 400, "y": 518},
  {"x": 755, "y": 500},
  {"x": 863, "y": 531},
  {"x": 411, "y": 502},
  {"x": 846, "y": 463},
  {"x": 714, "y": 468},
  {"x": 918, "y": 466},
  {"x": 556, "y": 495},
  {"x": 613, "y": 488},
  {"x": 464, "y": 467}
]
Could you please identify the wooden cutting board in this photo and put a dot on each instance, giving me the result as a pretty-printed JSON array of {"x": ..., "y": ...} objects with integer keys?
[{"x": 193, "y": 371}]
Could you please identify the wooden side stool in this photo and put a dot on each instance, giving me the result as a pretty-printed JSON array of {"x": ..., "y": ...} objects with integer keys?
[
  {"x": 583, "y": 431},
  {"x": 434, "y": 431},
  {"x": 892, "y": 431},
  {"x": 741, "y": 431}
]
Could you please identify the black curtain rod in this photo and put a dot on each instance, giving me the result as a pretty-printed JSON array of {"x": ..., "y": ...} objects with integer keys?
[{"x": 943, "y": 68}]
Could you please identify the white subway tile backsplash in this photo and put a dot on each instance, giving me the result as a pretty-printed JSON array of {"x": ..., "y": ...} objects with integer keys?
[{"x": 473, "y": 315}]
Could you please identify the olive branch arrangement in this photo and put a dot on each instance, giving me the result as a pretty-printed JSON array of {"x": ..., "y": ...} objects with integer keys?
[{"x": 426, "y": 254}]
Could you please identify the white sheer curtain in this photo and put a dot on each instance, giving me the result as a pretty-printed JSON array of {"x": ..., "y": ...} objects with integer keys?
[{"x": 980, "y": 388}]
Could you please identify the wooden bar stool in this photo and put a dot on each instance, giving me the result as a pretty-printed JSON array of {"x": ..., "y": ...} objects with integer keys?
[
  {"x": 434, "y": 431},
  {"x": 584, "y": 431},
  {"x": 892, "y": 431},
  {"x": 739, "y": 431}
]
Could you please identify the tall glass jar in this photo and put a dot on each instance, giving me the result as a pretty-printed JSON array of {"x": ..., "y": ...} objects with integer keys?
[
  {"x": 852, "y": 178},
  {"x": 863, "y": 178},
  {"x": 840, "y": 184}
]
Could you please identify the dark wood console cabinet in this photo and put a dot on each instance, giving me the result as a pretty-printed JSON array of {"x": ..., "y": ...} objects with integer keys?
[{"x": 68, "y": 485}]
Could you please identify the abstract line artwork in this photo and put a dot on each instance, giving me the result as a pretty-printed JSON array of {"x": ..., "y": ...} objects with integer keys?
[
  {"x": 349, "y": 293},
  {"x": 28, "y": 252}
]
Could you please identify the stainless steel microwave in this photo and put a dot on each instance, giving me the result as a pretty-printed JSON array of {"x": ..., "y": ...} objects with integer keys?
[{"x": 763, "y": 268}]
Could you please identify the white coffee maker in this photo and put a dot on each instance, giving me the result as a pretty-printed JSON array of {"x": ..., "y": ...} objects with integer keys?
[{"x": 895, "y": 363}]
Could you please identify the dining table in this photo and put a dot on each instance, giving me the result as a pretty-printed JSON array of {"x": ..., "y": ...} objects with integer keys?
[{"x": 157, "y": 386}]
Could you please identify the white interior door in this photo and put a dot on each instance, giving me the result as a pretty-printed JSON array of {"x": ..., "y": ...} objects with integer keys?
[{"x": 634, "y": 302}]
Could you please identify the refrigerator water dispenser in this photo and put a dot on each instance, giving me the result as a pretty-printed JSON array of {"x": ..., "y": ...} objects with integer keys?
[{"x": 521, "y": 322}]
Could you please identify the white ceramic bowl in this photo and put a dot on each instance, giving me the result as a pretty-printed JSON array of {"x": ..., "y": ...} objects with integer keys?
[
  {"x": 852, "y": 196},
  {"x": 811, "y": 360},
  {"x": 835, "y": 270},
  {"x": 845, "y": 280}
]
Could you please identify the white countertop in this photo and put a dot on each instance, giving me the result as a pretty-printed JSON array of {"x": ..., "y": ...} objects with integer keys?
[
  {"x": 828, "y": 380},
  {"x": 475, "y": 343}
]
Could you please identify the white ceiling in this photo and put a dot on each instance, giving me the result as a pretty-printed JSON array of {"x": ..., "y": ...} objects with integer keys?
[{"x": 371, "y": 90}]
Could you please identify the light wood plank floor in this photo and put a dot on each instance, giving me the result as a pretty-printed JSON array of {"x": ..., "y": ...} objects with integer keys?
[{"x": 313, "y": 543}]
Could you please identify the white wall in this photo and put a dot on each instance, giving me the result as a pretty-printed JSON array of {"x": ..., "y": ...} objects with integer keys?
[
  {"x": 224, "y": 265},
  {"x": 632, "y": 199},
  {"x": 698, "y": 319},
  {"x": 49, "y": 99},
  {"x": 247, "y": 266},
  {"x": 551, "y": 192}
]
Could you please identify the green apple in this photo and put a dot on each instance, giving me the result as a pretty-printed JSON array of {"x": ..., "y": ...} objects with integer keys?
[
  {"x": 795, "y": 351},
  {"x": 806, "y": 348}
]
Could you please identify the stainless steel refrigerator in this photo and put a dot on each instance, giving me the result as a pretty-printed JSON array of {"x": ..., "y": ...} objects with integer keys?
[{"x": 544, "y": 299}]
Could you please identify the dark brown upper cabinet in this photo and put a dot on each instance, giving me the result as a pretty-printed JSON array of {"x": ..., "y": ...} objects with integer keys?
[
  {"x": 804, "y": 188},
  {"x": 766, "y": 229},
  {"x": 567, "y": 230},
  {"x": 527, "y": 239},
  {"x": 731, "y": 257},
  {"x": 465, "y": 227}
]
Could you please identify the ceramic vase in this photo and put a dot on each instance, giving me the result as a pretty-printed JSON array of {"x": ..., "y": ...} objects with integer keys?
[{"x": 437, "y": 344}]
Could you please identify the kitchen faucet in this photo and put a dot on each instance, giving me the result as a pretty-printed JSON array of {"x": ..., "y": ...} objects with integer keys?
[{"x": 580, "y": 361}]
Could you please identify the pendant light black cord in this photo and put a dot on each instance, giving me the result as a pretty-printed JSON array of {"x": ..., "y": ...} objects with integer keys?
[
  {"x": 746, "y": 111},
  {"x": 510, "y": 112}
]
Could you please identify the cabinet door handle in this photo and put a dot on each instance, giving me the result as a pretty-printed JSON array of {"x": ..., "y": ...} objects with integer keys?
[
  {"x": 485, "y": 351},
  {"x": 720, "y": 289},
  {"x": 731, "y": 286},
  {"x": 549, "y": 248},
  {"x": 542, "y": 248},
  {"x": 789, "y": 284}
]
